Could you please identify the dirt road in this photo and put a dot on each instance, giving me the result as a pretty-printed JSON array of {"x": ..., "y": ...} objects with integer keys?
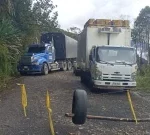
[{"x": 61, "y": 86}]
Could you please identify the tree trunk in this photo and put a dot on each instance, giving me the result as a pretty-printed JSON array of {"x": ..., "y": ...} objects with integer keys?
[{"x": 148, "y": 48}]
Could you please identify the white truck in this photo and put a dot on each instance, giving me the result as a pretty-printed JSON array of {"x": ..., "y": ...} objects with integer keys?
[{"x": 105, "y": 58}]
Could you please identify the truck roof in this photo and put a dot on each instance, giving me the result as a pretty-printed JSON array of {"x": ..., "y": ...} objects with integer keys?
[
  {"x": 43, "y": 35},
  {"x": 115, "y": 46},
  {"x": 107, "y": 22}
]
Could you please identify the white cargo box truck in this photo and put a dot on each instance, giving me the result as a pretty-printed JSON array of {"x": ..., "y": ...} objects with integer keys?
[{"x": 105, "y": 58}]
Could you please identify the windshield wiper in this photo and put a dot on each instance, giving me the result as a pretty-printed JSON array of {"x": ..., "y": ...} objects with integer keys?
[
  {"x": 123, "y": 62},
  {"x": 105, "y": 62}
]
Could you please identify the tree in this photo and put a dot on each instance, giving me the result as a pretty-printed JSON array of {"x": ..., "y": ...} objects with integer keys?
[
  {"x": 6, "y": 8},
  {"x": 74, "y": 30},
  {"x": 141, "y": 30},
  {"x": 44, "y": 16},
  {"x": 20, "y": 25}
]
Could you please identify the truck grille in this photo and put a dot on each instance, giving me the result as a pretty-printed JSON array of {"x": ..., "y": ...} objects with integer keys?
[
  {"x": 26, "y": 60},
  {"x": 116, "y": 77}
]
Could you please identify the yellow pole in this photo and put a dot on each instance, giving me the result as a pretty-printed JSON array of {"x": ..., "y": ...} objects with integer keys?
[
  {"x": 24, "y": 98},
  {"x": 131, "y": 106},
  {"x": 51, "y": 122},
  {"x": 49, "y": 113},
  {"x": 24, "y": 109}
]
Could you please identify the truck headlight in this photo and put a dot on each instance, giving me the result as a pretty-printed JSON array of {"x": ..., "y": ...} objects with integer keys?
[
  {"x": 35, "y": 62},
  {"x": 133, "y": 76},
  {"x": 98, "y": 75},
  {"x": 32, "y": 59}
]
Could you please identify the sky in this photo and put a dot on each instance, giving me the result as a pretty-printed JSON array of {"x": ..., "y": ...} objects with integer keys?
[{"x": 76, "y": 12}]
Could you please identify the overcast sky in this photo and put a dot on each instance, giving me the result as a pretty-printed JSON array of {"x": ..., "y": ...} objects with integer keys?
[{"x": 77, "y": 12}]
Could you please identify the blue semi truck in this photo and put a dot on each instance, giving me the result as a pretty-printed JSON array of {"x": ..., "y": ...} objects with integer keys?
[{"x": 55, "y": 51}]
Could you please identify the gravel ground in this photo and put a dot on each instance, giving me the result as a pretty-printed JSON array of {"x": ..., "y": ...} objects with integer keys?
[{"x": 61, "y": 86}]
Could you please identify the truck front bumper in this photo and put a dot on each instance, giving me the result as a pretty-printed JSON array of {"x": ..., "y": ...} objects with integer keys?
[
  {"x": 116, "y": 85},
  {"x": 29, "y": 68}
]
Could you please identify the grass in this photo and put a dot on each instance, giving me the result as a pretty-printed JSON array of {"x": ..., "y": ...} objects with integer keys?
[{"x": 143, "y": 79}]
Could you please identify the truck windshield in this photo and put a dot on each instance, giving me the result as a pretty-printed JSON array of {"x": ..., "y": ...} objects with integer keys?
[
  {"x": 116, "y": 55},
  {"x": 36, "y": 50}
]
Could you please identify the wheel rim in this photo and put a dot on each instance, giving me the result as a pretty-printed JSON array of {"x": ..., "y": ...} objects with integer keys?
[
  {"x": 45, "y": 68},
  {"x": 64, "y": 66},
  {"x": 69, "y": 65}
]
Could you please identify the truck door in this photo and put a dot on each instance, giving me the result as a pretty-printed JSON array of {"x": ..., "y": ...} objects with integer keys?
[
  {"x": 50, "y": 58},
  {"x": 53, "y": 53},
  {"x": 92, "y": 62}
]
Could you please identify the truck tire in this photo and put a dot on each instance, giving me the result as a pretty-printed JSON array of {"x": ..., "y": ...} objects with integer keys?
[
  {"x": 79, "y": 106},
  {"x": 45, "y": 69},
  {"x": 75, "y": 72},
  {"x": 69, "y": 65},
  {"x": 91, "y": 87},
  {"x": 82, "y": 79},
  {"x": 23, "y": 73},
  {"x": 64, "y": 66}
]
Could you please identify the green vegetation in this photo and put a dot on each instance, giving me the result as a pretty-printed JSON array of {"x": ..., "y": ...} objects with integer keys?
[
  {"x": 143, "y": 79},
  {"x": 21, "y": 23},
  {"x": 141, "y": 35}
]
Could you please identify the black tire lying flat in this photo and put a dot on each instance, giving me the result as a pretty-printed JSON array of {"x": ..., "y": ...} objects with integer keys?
[{"x": 79, "y": 106}]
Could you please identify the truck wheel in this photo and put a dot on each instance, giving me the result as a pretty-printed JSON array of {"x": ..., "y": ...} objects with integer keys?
[
  {"x": 91, "y": 86},
  {"x": 64, "y": 66},
  {"x": 69, "y": 65},
  {"x": 82, "y": 79},
  {"x": 79, "y": 106},
  {"x": 45, "y": 69},
  {"x": 74, "y": 71},
  {"x": 23, "y": 73}
]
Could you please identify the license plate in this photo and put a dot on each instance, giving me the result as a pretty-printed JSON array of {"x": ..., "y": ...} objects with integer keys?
[
  {"x": 116, "y": 83},
  {"x": 26, "y": 67}
]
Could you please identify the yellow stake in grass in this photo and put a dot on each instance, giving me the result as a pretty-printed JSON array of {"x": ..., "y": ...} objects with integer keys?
[
  {"x": 24, "y": 98},
  {"x": 49, "y": 113},
  {"x": 131, "y": 106}
]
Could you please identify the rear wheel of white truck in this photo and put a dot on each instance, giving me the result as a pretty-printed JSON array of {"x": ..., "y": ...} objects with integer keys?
[
  {"x": 69, "y": 65},
  {"x": 45, "y": 69},
  {"x": 82, "y": 79}
]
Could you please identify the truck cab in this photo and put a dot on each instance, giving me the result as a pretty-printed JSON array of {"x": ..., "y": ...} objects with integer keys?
[
  {"x": 37, "y": 58},
  {"x": 113, "y": 67}
]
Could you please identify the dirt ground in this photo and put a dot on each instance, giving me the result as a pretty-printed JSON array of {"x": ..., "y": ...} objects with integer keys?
[{"x": 61, "y": 86}]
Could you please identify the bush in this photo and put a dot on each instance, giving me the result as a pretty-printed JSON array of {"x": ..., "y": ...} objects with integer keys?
[
  {"x": 143, "y": 78},
  {"x": 10, "y": 44}
]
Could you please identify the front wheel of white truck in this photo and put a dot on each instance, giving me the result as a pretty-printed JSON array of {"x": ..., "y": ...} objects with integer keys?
[{"x": 91, "y": 85}]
